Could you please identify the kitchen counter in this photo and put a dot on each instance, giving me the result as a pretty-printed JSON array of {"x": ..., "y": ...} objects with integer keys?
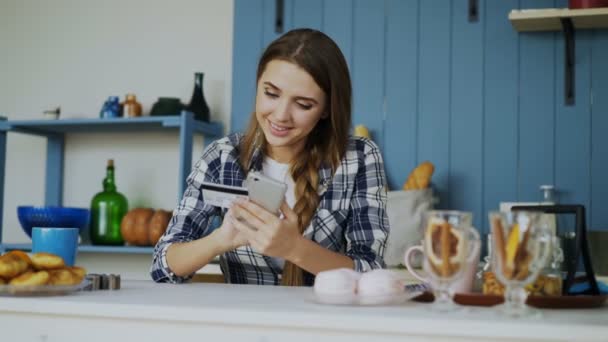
[{"x": 145, "y": 311}]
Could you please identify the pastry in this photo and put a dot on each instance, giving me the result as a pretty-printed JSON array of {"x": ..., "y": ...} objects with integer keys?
[
  {"x": 420, "y": 177},
  {"x": 21, "y": 255},
  {"x": 79, "y": 272},
  {"x": 2, "y": 281},
  {"x": 31, "y": 279},
  {"x": 12, "y": 266},
  {"x": 63, "y": 277},
  {"x": 47, "y": 261}
]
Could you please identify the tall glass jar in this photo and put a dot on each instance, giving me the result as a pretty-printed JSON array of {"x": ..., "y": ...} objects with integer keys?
[{"x": 107, "y": 210}]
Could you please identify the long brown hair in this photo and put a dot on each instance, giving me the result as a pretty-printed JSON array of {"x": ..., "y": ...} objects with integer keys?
[{"x": 320, "y": 57}]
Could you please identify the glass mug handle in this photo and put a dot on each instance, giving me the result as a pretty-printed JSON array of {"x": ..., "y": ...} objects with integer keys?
[
  {"x": 410, "y": 268},
  {"x": 475, "y": 241}
]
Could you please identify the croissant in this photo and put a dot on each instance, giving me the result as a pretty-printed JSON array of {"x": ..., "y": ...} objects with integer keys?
[{"x": 420, "y": 177}]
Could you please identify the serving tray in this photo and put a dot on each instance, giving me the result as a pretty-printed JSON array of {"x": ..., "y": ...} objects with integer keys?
[{"x": 545, "y": 302}]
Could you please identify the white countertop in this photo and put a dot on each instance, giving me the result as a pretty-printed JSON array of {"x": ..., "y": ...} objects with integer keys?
[{"x": 286, "y": 309}]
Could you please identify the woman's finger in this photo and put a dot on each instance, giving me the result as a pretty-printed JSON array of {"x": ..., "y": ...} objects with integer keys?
[
  {"x": 251, "y": 219},
  {"x": 255, "y": 209},
  {"x": 288, "y": 212}
]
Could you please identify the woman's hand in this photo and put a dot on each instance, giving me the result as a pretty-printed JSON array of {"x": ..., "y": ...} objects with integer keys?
[
  {"x": 267, "y": 233},
  {"x": 228, "y": 234}
]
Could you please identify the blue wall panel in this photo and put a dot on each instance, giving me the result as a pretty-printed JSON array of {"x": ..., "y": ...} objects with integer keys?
[
  {"x": 599, "y": 127},
  {"x": 536, "y": 110},
  {"x": 466, "y": 111},
  {"x": 400, "y": 138},
  {"x": 367, "y": 69},
  {"x": 307, "y": 13},
  {"x": 434, "y": 92},
  {"x": 246, "y": 49},
  {"x": 338, "y": 24},
  {"x": 500, "y": 138}
]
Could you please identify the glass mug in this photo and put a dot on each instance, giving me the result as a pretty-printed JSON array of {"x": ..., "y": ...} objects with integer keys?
[
  {"x": 450, "y": 250},
  {"x": 462, "y": 285},
  {"x": 520, "y": 249}
]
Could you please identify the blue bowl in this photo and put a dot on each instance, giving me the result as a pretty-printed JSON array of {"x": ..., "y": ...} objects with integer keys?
[{"x": 63, "y": 217}]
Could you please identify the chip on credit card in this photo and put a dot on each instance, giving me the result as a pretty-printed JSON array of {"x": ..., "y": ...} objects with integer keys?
[{"x": 220, "y": 195}]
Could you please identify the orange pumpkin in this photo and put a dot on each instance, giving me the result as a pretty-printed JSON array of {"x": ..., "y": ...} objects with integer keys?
[{"x": 144, "y": 226}]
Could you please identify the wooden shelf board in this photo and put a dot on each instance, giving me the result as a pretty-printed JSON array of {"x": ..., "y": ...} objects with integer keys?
[{"x": 549, "y": 19}]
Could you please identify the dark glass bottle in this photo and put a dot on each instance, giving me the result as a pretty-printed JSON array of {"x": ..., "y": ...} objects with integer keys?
[
  {"x": 197, "y": 104},
  {"x": 107, "y": 210}
]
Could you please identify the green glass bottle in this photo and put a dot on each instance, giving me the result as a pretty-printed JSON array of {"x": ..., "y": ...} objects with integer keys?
[{"x": 107, "y": 210}]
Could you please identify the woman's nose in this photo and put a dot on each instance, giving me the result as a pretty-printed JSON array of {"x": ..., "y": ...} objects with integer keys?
[{"x": 282, "y": 111}]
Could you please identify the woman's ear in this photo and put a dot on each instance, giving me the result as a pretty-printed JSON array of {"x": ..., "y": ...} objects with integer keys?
[{"x": 324, "y": 115}]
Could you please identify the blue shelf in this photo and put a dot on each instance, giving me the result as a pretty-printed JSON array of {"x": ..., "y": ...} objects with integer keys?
[
  {"x": 139, "y": 124},
  {"x": 85, "y": 248}
]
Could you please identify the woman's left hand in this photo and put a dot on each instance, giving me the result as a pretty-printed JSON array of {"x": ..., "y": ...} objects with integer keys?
[{"x": 266, "y": 232}]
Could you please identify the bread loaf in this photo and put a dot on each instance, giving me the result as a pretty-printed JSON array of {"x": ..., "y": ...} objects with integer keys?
[{"x": 420, "y": 177}]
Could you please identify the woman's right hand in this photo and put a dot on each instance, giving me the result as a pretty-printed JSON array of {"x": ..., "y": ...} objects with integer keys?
[{"x": 228, "y": 234}]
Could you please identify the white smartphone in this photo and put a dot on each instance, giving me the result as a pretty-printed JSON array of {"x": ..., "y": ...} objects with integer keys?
[{"x": 265, "y": 191}]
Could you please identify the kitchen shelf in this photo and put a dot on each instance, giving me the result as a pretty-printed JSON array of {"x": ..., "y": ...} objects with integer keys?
[
  {"x": 84, "y": 248},
  {"x": 566, "y": 20},
  {"x": 549, "y": 19},
  {"x": 55, "y": 130},
  {"x": 141, "y": 124}
]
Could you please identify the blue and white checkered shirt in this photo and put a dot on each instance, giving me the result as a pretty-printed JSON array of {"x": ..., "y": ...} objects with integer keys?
[{"x": 350, "y": 219}]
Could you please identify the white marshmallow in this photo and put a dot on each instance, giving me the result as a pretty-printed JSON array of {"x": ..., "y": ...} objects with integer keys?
[
  {"x": 379, "y": 287},
  {"x": 337, "y": 286}
]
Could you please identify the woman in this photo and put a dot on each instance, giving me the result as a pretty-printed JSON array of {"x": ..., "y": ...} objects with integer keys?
[{"x": 334, "y": 215}]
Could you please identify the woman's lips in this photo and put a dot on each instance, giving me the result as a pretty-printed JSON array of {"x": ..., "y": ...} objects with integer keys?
[{"x": 278, "y": 131}]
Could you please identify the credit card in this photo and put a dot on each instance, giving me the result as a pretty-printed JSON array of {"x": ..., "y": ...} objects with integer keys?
[{"x": 220, "y": 195}]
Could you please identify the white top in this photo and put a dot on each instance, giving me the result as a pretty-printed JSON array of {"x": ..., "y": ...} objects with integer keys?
[
  {"x": 147, "y": 307},
  {"x": 280, "y": 172}
]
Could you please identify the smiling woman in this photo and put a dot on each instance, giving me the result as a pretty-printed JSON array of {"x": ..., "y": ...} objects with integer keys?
[{"x": 334, "y": 215}]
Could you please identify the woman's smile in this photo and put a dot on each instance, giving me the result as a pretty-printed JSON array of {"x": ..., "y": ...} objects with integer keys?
[{"x": 278, "y": 130}]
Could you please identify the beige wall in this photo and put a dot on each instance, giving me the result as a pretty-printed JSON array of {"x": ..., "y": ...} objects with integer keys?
[{"x": 74, "y": 54}]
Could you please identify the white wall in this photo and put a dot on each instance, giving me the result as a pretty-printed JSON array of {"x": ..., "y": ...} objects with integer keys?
[{"x": 74, "y": 54}]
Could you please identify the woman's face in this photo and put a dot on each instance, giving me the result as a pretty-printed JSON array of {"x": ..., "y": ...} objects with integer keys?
[{"x": 288, "y": 105}]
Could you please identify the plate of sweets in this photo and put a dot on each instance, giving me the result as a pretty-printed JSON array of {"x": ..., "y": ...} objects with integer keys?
[{"x": 38, "y": 274}]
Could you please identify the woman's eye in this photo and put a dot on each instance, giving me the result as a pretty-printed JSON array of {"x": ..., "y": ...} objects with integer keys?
[
  {"x": 305, "y": 106},
  {"x": 269, "y": 94}
]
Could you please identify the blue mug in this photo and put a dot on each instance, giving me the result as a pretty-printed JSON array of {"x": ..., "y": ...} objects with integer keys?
[{"x": 59, "y": 241}]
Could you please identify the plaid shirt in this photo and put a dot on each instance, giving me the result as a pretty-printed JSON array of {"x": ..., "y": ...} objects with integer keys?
[{"x": 350, "y": 219}]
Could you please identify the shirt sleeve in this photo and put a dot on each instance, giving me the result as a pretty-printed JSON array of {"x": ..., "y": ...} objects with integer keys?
[
  {"x": 368, "y": 227},
  {"x": 192, "y": 219}
]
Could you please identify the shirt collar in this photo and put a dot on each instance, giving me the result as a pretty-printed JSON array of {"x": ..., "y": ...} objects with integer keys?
[{"x": 325, "y": 172}]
